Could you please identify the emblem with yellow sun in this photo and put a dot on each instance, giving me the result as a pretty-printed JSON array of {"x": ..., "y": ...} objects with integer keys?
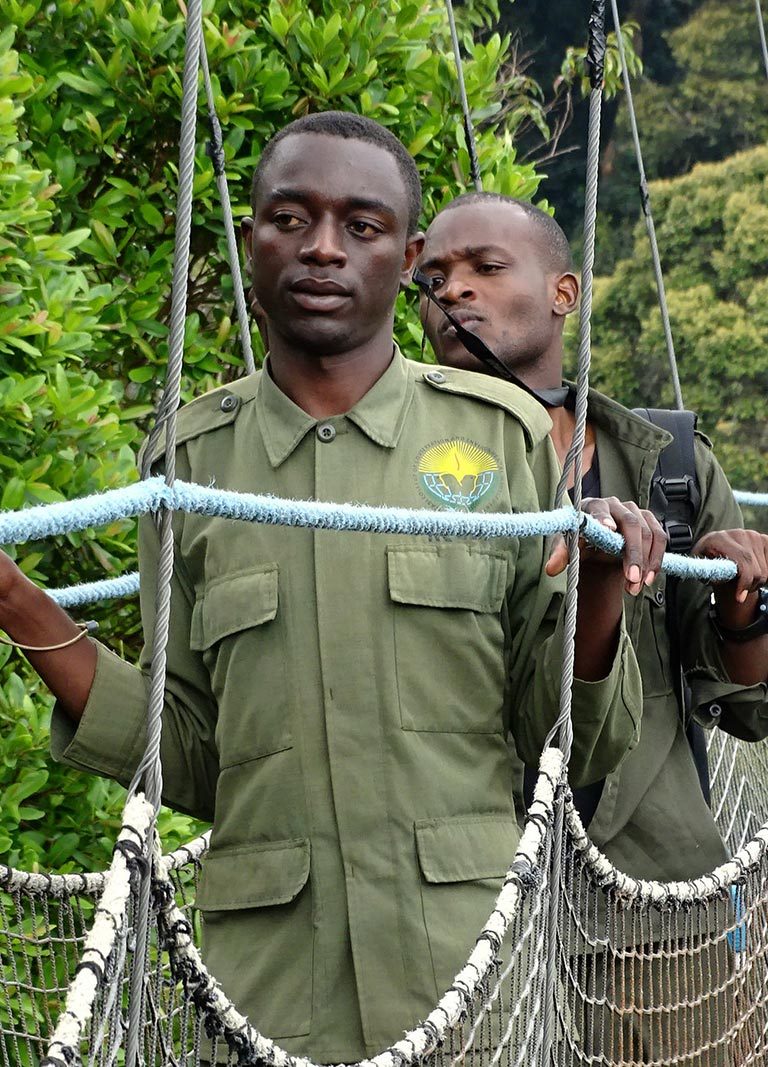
[{"x": 458, "y": 474}]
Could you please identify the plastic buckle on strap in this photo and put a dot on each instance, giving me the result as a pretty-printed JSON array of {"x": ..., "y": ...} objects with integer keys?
[
  {"x": 676, "y": 488},
  {"x": 679, "y": 536}
]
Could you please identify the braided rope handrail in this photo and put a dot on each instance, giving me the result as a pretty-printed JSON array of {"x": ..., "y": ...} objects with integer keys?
[
  {"x": 154, "y": 493},
  {"x": 90, "y": 883},
  {"x": 109, "y": 924},
  {"x": 126, "y": 585},
  {"x": 705, "y": 888}
]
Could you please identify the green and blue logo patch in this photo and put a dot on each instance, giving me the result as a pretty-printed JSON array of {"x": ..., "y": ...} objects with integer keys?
[{"x": 458, "y": 474}]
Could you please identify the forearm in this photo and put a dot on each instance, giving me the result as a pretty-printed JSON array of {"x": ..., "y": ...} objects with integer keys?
[
  {"x": 598, "y": 622},
  {"x": 29, "y": 617}
]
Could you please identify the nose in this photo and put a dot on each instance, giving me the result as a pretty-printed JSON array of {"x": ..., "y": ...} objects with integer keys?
[
  {"x": 324, "y": 244},
  {"x": 455, "y": 289}
]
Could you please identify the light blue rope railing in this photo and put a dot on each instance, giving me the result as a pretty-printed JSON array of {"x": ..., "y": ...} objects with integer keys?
[
  {"x": 127, "y": 585},
  {"x": 755, "y": 500},
  {"x": 32, "y": 524},
  {"x": 77, "y": 596}
]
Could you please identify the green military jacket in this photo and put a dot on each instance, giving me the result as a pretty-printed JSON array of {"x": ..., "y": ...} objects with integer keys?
[
  {"x": 338, "y": 704},
  {"x": 652, "y": 820}
]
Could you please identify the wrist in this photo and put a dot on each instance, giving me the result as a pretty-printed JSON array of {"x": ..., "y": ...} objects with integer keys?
[
  {"x": 746, "y": 624},
  {"x": 731, "y": 613}
]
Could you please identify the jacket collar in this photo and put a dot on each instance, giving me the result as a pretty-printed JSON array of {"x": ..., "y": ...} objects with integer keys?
[
  {"x": 622, "y": 423},
  {"x": 380, "y": 414}
]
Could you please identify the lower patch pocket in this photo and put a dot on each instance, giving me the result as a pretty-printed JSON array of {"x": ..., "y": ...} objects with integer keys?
[
  {"x": 463, "y": 863},
  {"x": 256, "y": 904}
]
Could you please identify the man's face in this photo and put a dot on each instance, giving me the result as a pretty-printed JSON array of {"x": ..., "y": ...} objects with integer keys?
[
  {"x": 487, "y": 267},
  {"x": 329, "y": 246}
]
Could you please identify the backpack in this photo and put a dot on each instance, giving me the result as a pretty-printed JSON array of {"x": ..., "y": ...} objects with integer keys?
[{"x": 675, "y": 500}]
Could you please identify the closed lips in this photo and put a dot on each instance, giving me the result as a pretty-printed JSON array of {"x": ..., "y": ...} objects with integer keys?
[{"x": 319, "y": 287}]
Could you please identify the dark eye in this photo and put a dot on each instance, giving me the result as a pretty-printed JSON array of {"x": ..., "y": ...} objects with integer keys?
[
  {"x": 362, "y": 228},
  {"x": 489, "y": 268},
  {"x": 436, "y": 281},
  {"x": 286, "y": 220}
]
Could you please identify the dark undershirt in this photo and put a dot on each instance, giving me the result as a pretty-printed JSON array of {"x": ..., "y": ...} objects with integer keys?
[{"x": 586, "y": 797}]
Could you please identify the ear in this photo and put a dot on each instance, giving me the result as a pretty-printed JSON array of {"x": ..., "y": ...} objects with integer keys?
[
  {"x": 413, "y": 249},
  {"x": 566, "y": 294},
  {"x": 257, "y": 311},
  {"x": 246, "y": 233}
]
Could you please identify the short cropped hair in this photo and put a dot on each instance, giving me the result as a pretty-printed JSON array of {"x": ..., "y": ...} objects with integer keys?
[
  {"x": 553, "y": 240},
  {"x": 352, "y": 128}
]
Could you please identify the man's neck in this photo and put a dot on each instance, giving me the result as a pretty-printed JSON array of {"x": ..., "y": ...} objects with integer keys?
[
  {"x": 548, "y": 374},
  {"x": 330, "y": 384}
]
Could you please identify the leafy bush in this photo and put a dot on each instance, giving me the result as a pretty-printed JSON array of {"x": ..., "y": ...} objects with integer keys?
[
  {"x": 715, "y": 104},
  {"x": 712, "y": 227},
  {"x": 66, "y": 432}
]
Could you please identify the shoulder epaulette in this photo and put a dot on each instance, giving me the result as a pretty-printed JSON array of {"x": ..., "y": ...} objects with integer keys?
[
  {"x": 208, "y": 412},
  {"x": 703, "y": 438},
  {"x": 488, "y": 390}
]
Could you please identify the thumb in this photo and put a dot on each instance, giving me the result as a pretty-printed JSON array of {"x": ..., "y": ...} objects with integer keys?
[{"x": 558, "y": 558}]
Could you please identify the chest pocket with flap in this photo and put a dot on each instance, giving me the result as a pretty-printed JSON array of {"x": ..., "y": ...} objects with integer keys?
[
  {"x": 237, "y": 627},
  {"x": 449, "y": 639}
]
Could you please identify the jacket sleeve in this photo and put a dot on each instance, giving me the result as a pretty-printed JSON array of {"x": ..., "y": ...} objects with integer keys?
[
  {"x": 606, "y": 713},
  {"x": 111, "y": 736},
  {"x": 716, "y": 700}
]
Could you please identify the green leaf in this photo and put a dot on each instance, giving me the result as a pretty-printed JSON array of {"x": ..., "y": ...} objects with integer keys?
[
  {"x": 82, "y": 85},
  {"x": 151, "y": 215},
  {"x": 13, "y": 494},
  {"x": 104, "y": 237}
]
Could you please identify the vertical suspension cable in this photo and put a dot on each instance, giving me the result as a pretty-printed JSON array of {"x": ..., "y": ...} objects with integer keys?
[
  {"x": 645, "y": 200},
  {"x": 474, "y": 166},
  {"x": 233, "y": 254},
  {"x": 562, "y": 730},
  {"x": 149, "y": 772},
  {"x": 761, "y": 31},
  {"x": 573, "y": 459}
]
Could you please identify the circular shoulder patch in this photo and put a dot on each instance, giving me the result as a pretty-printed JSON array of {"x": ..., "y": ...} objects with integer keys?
[{"x": 457, "y": 474}]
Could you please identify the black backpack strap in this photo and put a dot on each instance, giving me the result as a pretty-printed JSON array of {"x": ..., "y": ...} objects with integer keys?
[
  {"x": 675, "y": 501},
  {"x": 675, "y": 496}
]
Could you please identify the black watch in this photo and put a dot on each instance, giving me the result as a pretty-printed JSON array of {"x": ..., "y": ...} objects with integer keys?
[{"x": 747, "y": 633}]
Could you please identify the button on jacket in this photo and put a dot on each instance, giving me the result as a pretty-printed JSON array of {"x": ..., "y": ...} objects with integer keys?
[
  {"x": 338, "y": 704},
  {"x": 652, "y": 820}
]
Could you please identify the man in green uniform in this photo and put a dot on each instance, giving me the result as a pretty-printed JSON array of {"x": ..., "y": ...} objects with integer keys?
[
  {"x": 502, "y": 268},
  {"x": 327, "y": 692}
]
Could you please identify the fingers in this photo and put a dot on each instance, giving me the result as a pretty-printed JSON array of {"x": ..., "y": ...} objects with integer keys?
[
  {"x": 644, "y": 538},
  {"x": 749, "y": 551}
]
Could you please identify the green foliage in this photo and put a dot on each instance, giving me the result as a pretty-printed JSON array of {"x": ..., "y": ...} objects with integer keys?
[
  {"x": 712, "y": 227},
  {"x": 717, "y": 104},
  {"x": 66, "y": 433},
  {"x": 573, "y": 68}
]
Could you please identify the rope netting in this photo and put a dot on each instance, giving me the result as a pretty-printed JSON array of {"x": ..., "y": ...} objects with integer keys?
[
  {"x": 577, "y": 963},
  {"x": 645, "y": 972}
]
